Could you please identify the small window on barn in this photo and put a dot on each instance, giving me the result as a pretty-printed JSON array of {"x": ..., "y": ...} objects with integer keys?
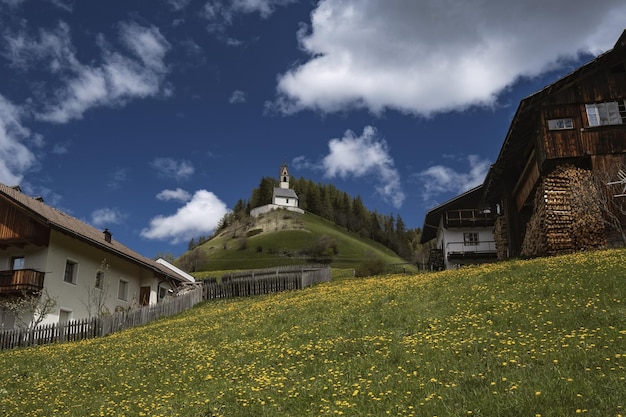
[
  {"x": 560, "y": 124},
  {"x": 470, "y": 239},
  {"x": 609, "y": 113}
]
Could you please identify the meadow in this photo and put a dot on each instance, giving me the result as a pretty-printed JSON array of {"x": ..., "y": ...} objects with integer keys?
[{"x": 544, "y": 337}]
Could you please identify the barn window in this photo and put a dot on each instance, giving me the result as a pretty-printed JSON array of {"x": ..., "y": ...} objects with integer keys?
[
  {"x": 560, "y": 124},
  {"x": 609, "y": 113},
  {"x": 470, "y": 239}
]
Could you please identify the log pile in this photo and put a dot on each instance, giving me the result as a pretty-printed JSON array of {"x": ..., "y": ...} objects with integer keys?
[
  {"x": 501, "y": 237},
  {"x": 567, "y": 215}
]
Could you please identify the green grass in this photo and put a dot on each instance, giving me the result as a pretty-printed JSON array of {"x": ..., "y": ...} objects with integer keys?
[
  {"x": 282, "y": 247},
  {"x": 545, "y": 337}
]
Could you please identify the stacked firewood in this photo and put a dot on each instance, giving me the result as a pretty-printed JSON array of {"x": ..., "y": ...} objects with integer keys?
[
  {"x": 500, "y": 236},
  {"x": 567, "y": 216}
]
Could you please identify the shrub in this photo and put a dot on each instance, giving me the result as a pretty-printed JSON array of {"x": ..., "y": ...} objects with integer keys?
[{"x": 370, "y": 267}]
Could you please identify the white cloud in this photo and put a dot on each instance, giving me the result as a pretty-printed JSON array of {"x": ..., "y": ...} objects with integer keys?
[
  {"x": 15, "y": 156},
  {"x": 198, "y": 217},
  {"x": 363, "y": 156},
  {"x": 220, "y": 14},
  {"x": 433, "y": 56},
  {"x": 178, "y": 4},
  {"x": 168, "y": 167},
  {"x": 440, "y": 179},
  {"x": 52, "y": 47},
  {"x": 65, "y": 5},
  {"x": 178, "y": 194},
  {"x": 106, "y": 216},
  {"x": 237, "y": 97},
  {"x": 117, "y": 178},
  {"x": 116, "y": 80},
  {"x": 12, "y": 3}
]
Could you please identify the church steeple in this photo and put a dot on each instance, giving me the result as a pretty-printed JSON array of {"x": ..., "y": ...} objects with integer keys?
[{"x": 284, "y": 176}]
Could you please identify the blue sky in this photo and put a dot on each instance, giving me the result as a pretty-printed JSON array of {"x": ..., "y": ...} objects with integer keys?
[{"x": 153, "y": 118}]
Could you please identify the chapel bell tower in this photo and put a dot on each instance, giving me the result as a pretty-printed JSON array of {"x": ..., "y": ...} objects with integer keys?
[{"x": 284, "y": 176}]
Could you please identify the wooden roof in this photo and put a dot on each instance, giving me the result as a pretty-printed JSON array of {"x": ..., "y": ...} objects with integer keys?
[
  {"x": 71, "y": 226},
  {"x": 468, "y": 200}
]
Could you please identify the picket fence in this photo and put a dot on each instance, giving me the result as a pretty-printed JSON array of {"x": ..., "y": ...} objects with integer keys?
[
  {"x": 242, "y": 284},
  {"x": 88, "y": 328},
  {"x": 264, "y": 281}
]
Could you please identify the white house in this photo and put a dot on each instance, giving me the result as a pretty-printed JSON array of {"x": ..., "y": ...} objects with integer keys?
[
  {"x": 463, "y": 232},
  {"x": 283, "y": 197},
  {"x": 44, "y": 248}
]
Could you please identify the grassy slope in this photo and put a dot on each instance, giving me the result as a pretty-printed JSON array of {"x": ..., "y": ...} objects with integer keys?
[
  {"x": 523, "y": 338},
  {"x": 292, "y": 234}
]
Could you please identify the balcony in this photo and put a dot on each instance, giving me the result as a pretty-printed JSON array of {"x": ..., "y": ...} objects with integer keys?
[
  {"x": 21, "y": 281},
  {"x": 460, "y": 250},
  {"x": 469, "y": 218}
]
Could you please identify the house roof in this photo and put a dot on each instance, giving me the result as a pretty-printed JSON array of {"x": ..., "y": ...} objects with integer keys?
[
  {"x": 468, "y": 200},
  {"x": 284, "y": 192},
  {"x": 64, "y": 223}
]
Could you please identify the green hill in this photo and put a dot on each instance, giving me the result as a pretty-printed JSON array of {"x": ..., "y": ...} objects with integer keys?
[
  {"x": 282, "y": 237},
  {"x": 545, "y": 337}
]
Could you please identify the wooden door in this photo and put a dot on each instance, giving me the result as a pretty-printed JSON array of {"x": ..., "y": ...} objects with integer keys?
[{"x": 144, "y": 296}]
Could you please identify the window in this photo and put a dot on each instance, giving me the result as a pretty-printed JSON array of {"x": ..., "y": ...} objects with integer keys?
[
  {"x": 99, "y": 279},
  {"x": 560, "y": 124},
  {"x": 609, "y": 113},
  {"x": 17, "y": 262},
  {"x": 71, "y": 269},
  {"x": 470, "y": 239},
  {"x": 122, "y": 290},
  {"x": 65, "y": 316}
]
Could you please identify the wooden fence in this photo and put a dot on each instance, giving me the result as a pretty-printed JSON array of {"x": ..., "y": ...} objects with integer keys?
[
  {"x": 264, "y": 281},
  {"x": 243, "y": 284},
  {"x": 88, "y": 328}
]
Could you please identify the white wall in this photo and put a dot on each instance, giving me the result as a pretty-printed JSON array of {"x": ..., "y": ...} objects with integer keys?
[
  {"x": 453, "y": 241},
  {"x": 257, "y": 211},
  {"x": 286, "y": 202},
  {"x": 72, "y": 298}
]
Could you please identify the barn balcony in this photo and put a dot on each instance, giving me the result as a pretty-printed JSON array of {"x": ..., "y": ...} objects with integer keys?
[
  {"x": 469, "y": 218},
  {"x": 481, "y": 251},
  {"x": 21, "y": 281}
]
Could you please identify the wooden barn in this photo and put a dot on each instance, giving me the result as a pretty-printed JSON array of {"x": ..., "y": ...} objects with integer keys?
[{"x": 563, "y": 141}]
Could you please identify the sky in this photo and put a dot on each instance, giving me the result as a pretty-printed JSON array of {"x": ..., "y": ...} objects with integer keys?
[{"x": 153, "y": 118}]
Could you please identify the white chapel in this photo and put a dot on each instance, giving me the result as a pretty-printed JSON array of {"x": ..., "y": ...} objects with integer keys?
[{"x": 283, "y": 196}]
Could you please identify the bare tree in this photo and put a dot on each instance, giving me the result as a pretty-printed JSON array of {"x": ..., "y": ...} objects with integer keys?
[
  {"x": 29, "y": 309},
  {"x": 97, "y": 294}
]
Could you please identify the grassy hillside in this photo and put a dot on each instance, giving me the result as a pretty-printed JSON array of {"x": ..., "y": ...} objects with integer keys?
[
  {"x": 533, "y": 338},
  {"x": 279, "y": 237}
]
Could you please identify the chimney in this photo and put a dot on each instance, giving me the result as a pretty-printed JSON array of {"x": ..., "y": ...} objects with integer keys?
[{"x": 107, "y": 235}]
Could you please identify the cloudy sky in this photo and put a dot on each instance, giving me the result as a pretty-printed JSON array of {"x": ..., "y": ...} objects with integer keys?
[{"x": 153, "y": 118}]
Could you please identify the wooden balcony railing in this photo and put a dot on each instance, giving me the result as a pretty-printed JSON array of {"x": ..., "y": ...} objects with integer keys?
[
  {"x": 469, "y": 218},
  {"x": 21, "y": 281}
]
